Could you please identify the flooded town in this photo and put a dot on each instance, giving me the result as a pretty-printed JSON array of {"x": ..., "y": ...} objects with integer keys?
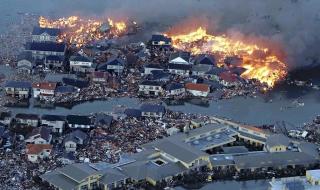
[{"x": 118, "y": 100}]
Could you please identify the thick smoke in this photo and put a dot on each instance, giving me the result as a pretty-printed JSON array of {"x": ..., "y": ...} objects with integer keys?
[{"x": 294, "y": 24}]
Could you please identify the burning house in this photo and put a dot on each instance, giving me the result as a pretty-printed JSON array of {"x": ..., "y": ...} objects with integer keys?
[{"x": 267, "y": 69}]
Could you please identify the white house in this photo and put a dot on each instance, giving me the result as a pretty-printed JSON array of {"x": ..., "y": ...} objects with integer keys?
[
  {"x": 150, "y": 110},
  {"x": 160, "y": 40},
  {"x": 152, "y": 67},
  {"x": 73, "y": 139},
  {"x": 44, "y": 90},
  {"x": 40, "y": 50},
  {"x": 77, "y": 63},
  {"x": 27, "y": 119},
  {"x": 175, "y": 89},
  {"x": 25, "y": 63},
  {"x": 39, "y": 135},
  {"x": 79, "y": 122},
  {"x": 35, "y": 152},
  {"x": 195, "y": 89},
  {"x": 152, "y": 88},
  {"x": 115, "y": 65},
  {"x": 179, "y": 69},
  {"x": 40, "y": 34},
  {"x": 180, "y": 57},
  {"x": 56, "y": 122}
]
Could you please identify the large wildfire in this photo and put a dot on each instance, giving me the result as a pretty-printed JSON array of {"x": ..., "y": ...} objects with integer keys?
[
  {"x": 79, "y": 31},
  {"x": 259, "y": 62}
]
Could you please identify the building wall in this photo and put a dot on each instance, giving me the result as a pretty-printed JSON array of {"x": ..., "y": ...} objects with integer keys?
[
  {"x": 57, "y": 126},
  {"x": 147, "y": 90},
  {"x": 70, "y": 146},
  {"x": 198, "y": 93}
]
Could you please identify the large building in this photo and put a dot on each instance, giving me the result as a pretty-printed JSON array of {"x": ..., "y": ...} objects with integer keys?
[
  {"x": 45, "y": 34},
  {"x": 40, "y": 50},
  {"x": 177, "y": 155}
]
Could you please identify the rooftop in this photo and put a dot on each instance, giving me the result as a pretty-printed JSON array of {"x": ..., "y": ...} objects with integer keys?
[
  {"x": 37, "y": 148},
  {"x": 197, "y": 87}
]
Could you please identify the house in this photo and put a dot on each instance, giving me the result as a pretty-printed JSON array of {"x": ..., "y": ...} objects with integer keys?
[
  {"x": 160, "y": 76},
  {"x": 131, "y": 112},
  {"x": 55, "y": 122},
  {"x": 152, "y": 67},
  {"x": 5, "y": 118},
  {"x": 205, "y": 59},
  {"x": 179, "y": 69},
  {"x": 25, "y": 63},
  {"x": 196, "y": 89},
  {"x": 39, "y": 135},
  {"x": 80, "y": 64},
  {"x": 78, "y": 83},
  {"x": 201, "y": 69},
  {"x": 27, "y": 119},
  {"x": 41, "y": 50},
  {"x": 115, "y": 65},
  {"x": 99, "y": 76},
  {"x": 79, "y": 122},
  {"x": 180, "y": 57},
  {"x": 35, "y": 152},
  {"x": 44, "y": 90},
  {"x": 233, "y": 61},
  {"x": 20, "y": 89},
  {"x": 80, "y": 176},
  {"x": 152, "y": 88},
  {"x": 175, "y": 89},
  {"x": 151, "y": 110},
  {"x": 74, "y": 139},
  {"x": 214, "y": 73},
  {"x": 65, "y": 90},
  {"x": 228, "y": 79},
  {"x": 67, "y": 158},
  {"x": 103, "y": 120},
  {"x": 4, "y": 136},
  {"x": 54, "y": 61},
  {"x": 40, "y": 34},
  {"x": 159, "y": 40},
  {"x": 277, "y": 143}
]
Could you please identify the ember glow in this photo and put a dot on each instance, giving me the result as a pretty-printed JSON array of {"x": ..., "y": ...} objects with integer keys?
[
  {"x": 259, "y": 63},
  {"x": 80, "y": 31}
]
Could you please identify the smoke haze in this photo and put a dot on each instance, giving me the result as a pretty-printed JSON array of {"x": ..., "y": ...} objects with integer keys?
[{"x": 294, "y": 24}]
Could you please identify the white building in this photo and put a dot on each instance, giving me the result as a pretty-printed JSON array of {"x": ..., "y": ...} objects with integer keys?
[
  {"x": 35, "y": 152},
  {"x": 201, "y": 90}
]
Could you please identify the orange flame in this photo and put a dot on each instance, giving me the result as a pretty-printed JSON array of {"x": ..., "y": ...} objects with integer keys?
[
  {"x": 80, "y": 31},
  {"x": 266, "y": 68}
]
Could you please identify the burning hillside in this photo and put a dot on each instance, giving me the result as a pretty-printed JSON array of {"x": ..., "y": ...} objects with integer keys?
[
  {"x": 259, "y": 62},
  {"x": 79, "y": 31}
]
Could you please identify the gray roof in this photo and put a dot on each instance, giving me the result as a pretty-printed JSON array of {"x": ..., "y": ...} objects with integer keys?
[
  {"x": 43, "y": 131},
  {"x": 141, "y": 169},
  {"x": 179, "y": 150},
  {"x": 201, "y": 68},
  {"x": 182, "y": 54},
  {"x": 59, "y": 180},
  {"x": 78, "y": 172},
  {"x": 52, "y": 47},
  {"x": 80, "y": 58},
  {"x": 234, "y": 149},
  {"x": 277, "y": 139},
  {"x": 273, "y": 159},
  {"x": 18, "y": 84},
  {"x": 112, "y": 175},
  {"x": 50, "y": 31},
  {"x": 25, "y": 55}
]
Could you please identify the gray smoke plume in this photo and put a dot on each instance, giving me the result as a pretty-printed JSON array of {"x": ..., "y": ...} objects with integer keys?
[{"x": 294, "y": 24}]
